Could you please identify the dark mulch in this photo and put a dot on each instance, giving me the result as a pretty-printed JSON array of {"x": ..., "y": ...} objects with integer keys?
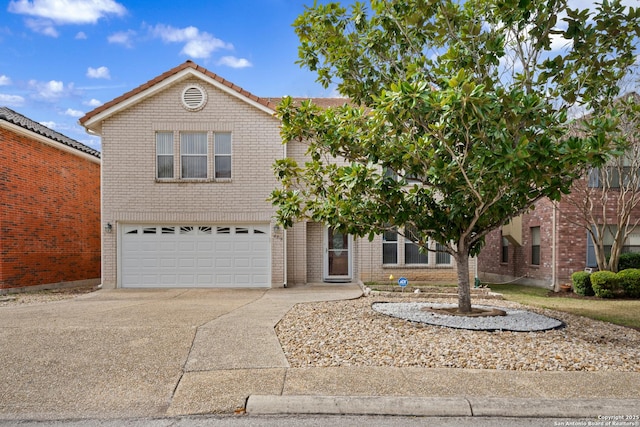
[{"x": 569, "y": 295}]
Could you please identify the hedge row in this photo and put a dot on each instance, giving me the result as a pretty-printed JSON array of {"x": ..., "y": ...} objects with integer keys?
[
  {"x": 629, "y": 260},
  {"x": 606, "y": 284}
]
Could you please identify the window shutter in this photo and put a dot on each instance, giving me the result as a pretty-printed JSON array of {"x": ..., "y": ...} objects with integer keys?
[{"x": 591, "y": 252}]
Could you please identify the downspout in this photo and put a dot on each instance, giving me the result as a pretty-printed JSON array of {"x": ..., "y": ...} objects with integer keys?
[
  {"x": 554, "y": 270},
  {"x": 284, "y": 234}
]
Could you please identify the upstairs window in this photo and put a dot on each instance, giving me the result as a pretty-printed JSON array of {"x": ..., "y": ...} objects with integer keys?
[
  {"x": 164, "y": 154},
  {"x": 193, "y": 155},
  {"x": 222, "y": 155}
]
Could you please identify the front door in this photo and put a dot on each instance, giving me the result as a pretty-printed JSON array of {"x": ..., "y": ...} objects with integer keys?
[{"x": 337, "y": 260}]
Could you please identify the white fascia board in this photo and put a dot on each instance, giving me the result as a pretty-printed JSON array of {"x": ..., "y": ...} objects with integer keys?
[
  {"x": 236, "y": 94},
  {"x": 89, "y": 124},
  {"x": 51, "y": 142}
]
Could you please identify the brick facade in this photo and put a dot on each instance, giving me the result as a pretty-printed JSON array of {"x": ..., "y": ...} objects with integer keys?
[
  {"x": 562, "y": 252},
  {"x": 131, "y": 194},
  {"x": 49, "y": 213}
]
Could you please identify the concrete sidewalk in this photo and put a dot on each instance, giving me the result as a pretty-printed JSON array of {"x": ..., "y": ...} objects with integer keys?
[{"x": 139, "y": 353}]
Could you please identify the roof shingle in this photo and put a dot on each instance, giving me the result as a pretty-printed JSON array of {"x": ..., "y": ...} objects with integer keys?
[{"x": 10, "y": 116}]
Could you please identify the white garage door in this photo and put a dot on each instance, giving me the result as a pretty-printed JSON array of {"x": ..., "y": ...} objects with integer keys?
[{"x": 195, "y": 256}]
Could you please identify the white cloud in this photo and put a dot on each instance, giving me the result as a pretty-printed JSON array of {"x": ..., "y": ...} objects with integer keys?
[
  {"x": 11, "y": 100},
  {"x": 73, "y": 113},
  {"x": 4, "y": 80},
  {"x": 50, "y": 125},
  {"x": 197, "y": 44},
  {"x": 51, "y": 90},
  {"x": 81, "y": 36},
  {"x": 98, "y": 73},
  {"x": 63, "y": 12},
  {"x": 93, "y": 103},
  {"x": 559, "y": 43},
  {"x": 42, "y": 26},
  {"x": 122, "y": 37},
  {"x": 233, "y": 62}
]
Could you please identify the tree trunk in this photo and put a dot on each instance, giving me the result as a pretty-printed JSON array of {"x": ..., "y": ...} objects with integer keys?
[{"x": 464, "y": 289}]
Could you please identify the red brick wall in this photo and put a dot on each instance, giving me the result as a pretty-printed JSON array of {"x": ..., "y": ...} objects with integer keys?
[
  {"x": 519, "y": 264},
  {"x": 49, "y": 214},
  {"x": 571, "y": 243}
]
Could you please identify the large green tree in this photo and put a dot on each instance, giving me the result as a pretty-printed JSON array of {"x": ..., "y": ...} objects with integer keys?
[{"x": 457, "y": 116}]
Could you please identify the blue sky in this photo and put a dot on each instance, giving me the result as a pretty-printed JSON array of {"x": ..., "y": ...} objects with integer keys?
[{"x": 62, "y": 58}]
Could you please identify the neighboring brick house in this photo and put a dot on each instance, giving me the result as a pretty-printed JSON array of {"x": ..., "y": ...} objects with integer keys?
[
  {"x": 49, "y": 207},
  {"x": 187, "y": 169},
  {"x": 545, "y": 246}
]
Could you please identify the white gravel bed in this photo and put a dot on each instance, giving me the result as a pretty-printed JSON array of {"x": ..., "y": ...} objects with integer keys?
[
  {"x": 351, "y": 333},
  {"x": 515, "y": 320}
]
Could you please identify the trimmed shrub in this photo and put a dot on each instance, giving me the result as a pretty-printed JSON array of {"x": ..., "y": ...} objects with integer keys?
[
  {"x": 582, "y": 283},
  {"x": 629, "y": 260},
  {"x": 630, "y": 282},
  {"x": 605, "y": 284}
]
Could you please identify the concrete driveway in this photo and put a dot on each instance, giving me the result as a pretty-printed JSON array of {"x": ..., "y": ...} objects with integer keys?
[{"x": 143, "y": 353}]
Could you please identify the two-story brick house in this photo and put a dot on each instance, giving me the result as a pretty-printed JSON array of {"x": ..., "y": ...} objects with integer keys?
[
  {"x": 545, "y": 246},
  {"x": 49, "y": 207},
  {"x": 187, "y": 170}
]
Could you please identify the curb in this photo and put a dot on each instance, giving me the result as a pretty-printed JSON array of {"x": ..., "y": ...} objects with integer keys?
[{"x": 598, "y": 409}]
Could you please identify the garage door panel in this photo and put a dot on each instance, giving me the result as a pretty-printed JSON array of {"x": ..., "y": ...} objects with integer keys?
[
  {"x": 259, "y": 263},
  {"x": 186, "y": 246},
  {"x": 168, "y": 262},
  {"x": 186, "y": 263},
  {"x": 243, "y": 279},
  {"x": 205, "y": 262},
  {"x": 168, "y": 279},
  {"x": 195, "y": 255},
  {"x": 223, "y": 278},
  {"x": 205, "y": 246},
  {"x": 166, "y": 246},
  {"x": 223, "y": 246},
  {"x": 240, "y": 247},
  {"x": 241, "y": 262}
]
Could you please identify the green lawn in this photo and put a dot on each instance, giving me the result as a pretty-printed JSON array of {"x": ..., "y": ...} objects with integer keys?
[{"x": 620, "y": 312}]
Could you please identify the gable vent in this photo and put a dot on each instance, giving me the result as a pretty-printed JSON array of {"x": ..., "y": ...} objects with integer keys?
[{"x": 194, "y": 98}]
